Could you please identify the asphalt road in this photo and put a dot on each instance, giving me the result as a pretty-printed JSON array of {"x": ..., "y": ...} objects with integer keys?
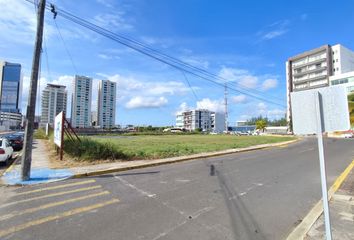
[{"x": 253, "y": 195}]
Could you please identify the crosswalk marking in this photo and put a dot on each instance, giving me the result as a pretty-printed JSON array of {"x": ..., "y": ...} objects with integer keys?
[
  {"x": 51, "y": 195},
  {"x": 49, "y": 205},
  {"x": 56, "y": 217},
  {"x": 57, "y": 187}
]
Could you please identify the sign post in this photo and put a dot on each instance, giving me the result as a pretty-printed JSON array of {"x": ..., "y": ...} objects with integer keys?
[
  {"x": 59, "y": 132},
  {"x": 317, "y": 99},
  {"x": 315, "y": 112}
]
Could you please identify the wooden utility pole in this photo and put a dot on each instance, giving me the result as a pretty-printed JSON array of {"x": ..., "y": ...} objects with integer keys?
[{"x": 31, "y": 107}]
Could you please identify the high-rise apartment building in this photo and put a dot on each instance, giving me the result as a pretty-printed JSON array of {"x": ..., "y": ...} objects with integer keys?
[
  {"x": 81, "y": 102},
  {"x": 10, "y": 95},
  {"x": 54, "y": 99},
  {"x": 10, "y": 87},
  {"x": 312, "y": 69},
  {"x": 106, "y": 104}
]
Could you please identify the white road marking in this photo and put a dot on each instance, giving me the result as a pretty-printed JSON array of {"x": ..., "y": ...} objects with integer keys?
[{"x": 126, "y": 183}]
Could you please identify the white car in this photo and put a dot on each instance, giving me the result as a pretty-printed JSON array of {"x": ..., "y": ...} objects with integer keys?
[{"x": 5, "y": 151}]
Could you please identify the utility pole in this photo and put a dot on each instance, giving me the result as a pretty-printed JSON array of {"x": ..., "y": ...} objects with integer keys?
[
  {"x": 226, "y": 108},
  {"x": 31, "y": 107}
]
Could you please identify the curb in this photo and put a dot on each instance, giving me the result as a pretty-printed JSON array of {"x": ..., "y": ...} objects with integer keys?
[
  {"x": 13, "y": 164},
  {"x": 182, "y": 159},
  {"x": 301, "y": 230}
]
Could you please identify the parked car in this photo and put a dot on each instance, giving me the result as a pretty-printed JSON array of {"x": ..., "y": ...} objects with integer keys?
[
  {"x": 16, "y": 141},
  {"x": 5, "y": 151}
]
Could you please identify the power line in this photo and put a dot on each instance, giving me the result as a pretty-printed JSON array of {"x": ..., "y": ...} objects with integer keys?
[
  {"x": 168, "y": 60},
  {"x": 195, "y": 95},
  {"x": 66, "y": 48}
]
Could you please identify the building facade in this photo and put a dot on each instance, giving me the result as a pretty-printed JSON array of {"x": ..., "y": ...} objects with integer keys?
[
  {"x": 106, "y": 104},
  {"x": 10, "y": 94},
  {"x": 201, "y": 119},
  {"x": 81, "y": 102},
  {"x": 53, "y": 101},
  {"x": 313, "y": 69}
]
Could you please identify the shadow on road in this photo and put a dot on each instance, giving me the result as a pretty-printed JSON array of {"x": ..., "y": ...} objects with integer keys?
[{"x": 244, "y": 226}]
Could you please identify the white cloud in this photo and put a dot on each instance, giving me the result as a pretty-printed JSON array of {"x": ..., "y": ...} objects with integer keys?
[
  {"x": 269, "y": 83},
  {"x": 211, "y": 105},
  {"x": 18, "y": 22},
  {"x": 274, "y": 30},
  {"x": 116, "y": 20},
  {"x": 238, "y": 99},
  {"x": 146, "y": 102},
  {"x": 132, "y": 86},
  {"x": 276, "y": 113},
  {"x": 105, "y": 3},
  {"x": 182, "y": 108},
  {"x": 241, "y": 76},
  {"x": 196, "y": 62}
]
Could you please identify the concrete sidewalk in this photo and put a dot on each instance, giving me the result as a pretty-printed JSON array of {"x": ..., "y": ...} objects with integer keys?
[
  {"x": 41, "y": 171},
  {"x": 341, "y": 214}
]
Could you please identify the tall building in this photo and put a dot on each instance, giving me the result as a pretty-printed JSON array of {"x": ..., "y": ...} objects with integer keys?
[
  {"x": 10, "y": 87},
  {"x": 10, "y": 95},
  {"x": 81, "y": 102},
  {"x": 106, "y": 104},
  {"x": 54, "y": 99},
  {"x": 201, "y": 119},
  {"x": 313, "y": 69}
]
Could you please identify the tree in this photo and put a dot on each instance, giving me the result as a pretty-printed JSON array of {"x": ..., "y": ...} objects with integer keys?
[{"x": 261, "y": 124}]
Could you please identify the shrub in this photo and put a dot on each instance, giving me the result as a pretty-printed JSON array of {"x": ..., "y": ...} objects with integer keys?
[{"x": 89, "y": 149}]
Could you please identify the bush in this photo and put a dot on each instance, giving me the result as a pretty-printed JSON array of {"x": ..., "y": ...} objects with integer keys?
[
  {"x": 40, "y": 134},
  {"x": 91, "y": 150}
]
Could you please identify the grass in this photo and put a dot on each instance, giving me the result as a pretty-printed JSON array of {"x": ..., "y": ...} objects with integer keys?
[{"x": 152, "y": 147}]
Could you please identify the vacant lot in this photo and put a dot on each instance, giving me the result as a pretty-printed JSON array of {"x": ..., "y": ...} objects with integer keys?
[{"x": 150, "y": 147}]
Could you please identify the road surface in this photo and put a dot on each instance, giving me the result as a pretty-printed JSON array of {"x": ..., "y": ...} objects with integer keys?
[{"x": 254, "y": 195}]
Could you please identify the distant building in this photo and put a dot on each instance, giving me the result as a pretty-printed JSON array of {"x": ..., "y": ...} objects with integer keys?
[
  {"x": 54, "y": 101},
  {"x": 81, "y": 102},
  {"x": 202, "y": 119},
  {"x": 10, "y": 95},
  {"x": 106, "y": 104},
  {"x": 94, "y": 118},
  {"x": 241, "y": 123},
  {"x": 313, "y": 69}
]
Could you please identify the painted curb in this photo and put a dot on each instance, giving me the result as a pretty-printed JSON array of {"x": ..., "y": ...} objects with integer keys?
[
  {"x": 13, "y": 164},
  {"x": 182, "y": 159},
  {"x": 302, "y": 229}
]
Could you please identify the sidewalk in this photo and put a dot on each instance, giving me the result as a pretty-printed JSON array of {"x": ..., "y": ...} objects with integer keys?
[
  {"x": 42, "y": 172},
  {"x": 40, "y": 169},
  {"x": 341, "y": 214}
]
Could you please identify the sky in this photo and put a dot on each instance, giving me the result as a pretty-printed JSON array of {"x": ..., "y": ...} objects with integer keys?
[{"x": 243, "y": 42}]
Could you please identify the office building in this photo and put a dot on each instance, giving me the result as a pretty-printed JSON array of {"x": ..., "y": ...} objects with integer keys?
[
  {"x": 201, "y": 119},
  {"x": 106, "y": 104},
  {"x": 313, "y": 69},
  {"x": 53, "y": 101},
  {"x": 81, "y": 102},
  {"x": 10, "y": 94}
]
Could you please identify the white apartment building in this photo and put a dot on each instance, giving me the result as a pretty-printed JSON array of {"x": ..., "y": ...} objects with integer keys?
[
  {"x": 313, "y": 69},
  {"x": 345, "y": 79},
  {"x": 81, "y": 102},
  {"x": 106, "y": 104},
  {"x": 53, "y": 101},
  {"x": 201, "y": 119}
]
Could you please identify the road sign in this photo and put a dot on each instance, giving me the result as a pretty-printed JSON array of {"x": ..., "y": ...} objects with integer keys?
[
  {"x": 317, "y": 111},
  {"x": 58, "y": 129},
  {"x": 334, "y": 110}
]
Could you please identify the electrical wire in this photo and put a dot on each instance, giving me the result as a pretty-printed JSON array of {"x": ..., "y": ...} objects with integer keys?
[
  {"x": 168, "y": 60},
  {"x": 191, "y": 88}
]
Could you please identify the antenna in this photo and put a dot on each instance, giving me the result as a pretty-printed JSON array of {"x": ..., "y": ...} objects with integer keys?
[{"x": 226, "y": 109}]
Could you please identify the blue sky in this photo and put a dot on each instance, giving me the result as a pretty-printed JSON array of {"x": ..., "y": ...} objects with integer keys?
[{"x": 246, "y": 42}]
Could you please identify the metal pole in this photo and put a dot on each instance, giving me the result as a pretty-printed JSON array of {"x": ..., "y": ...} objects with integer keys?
[
  {"x": 322, "y": 166},
  {"x": 27, "y": 154}
]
